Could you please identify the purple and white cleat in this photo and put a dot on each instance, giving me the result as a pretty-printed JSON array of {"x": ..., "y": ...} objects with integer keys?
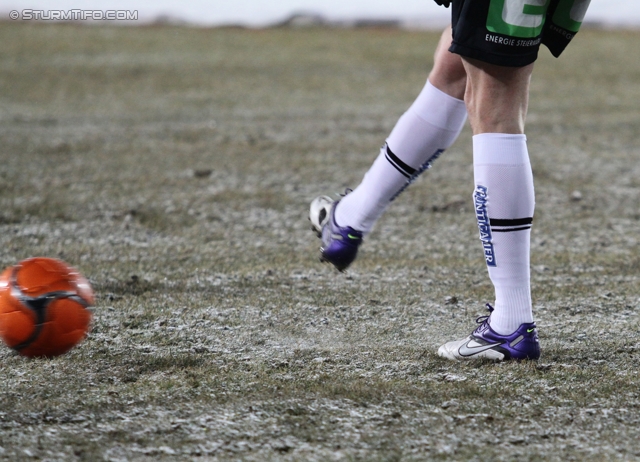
[
  {"x": 339, "y": 244},
  {"x": 485, "y": 343}
]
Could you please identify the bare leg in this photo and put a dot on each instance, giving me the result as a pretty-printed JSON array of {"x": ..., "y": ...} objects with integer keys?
[
  {"x": 448, "y": 74},
  {"x": 497, "y": 97}
]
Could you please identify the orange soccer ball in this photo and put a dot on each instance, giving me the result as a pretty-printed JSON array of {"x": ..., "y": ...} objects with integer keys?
[{"x": 44, "y": 307}]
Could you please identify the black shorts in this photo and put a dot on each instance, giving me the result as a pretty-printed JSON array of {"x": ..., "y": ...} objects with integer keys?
[{"x": 509, "y": 32}]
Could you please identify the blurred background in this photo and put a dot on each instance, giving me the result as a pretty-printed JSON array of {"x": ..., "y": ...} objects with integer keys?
[{"x": 258, "y": 13}]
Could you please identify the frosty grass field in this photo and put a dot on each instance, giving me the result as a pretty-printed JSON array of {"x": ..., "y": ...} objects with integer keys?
[{"x": 174, "y": 167}]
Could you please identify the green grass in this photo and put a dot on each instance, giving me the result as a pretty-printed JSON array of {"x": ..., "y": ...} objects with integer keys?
[{"x": 174, "y": 167}]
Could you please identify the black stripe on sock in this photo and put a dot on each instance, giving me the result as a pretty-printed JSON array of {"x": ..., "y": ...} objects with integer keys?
[
  {"x": 511, "y": 223},
  {"x": 402, "y": 172},
  {"x": 509, "y": 230},
  {"x": 403, "y": 168}
]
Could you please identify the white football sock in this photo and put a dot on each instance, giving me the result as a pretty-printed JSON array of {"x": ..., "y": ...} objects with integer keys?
[
  {"x": 504, "y": 203},
  {"x": 430, "y": 125}
]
